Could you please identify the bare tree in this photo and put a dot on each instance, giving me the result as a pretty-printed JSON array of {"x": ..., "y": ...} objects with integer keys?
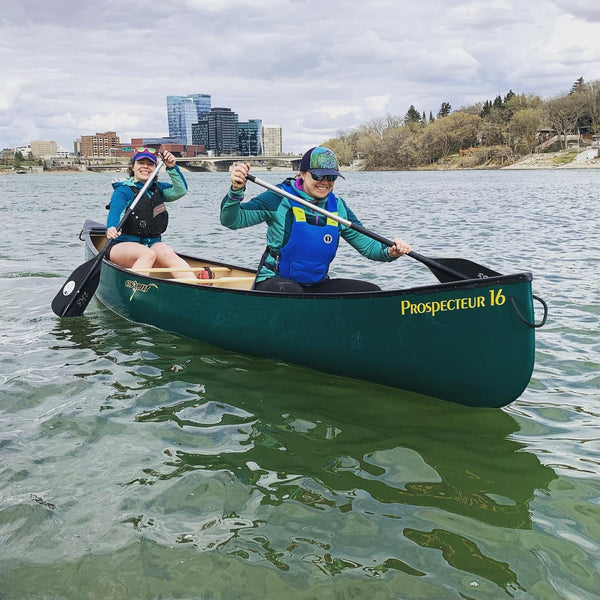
[
  {"x": 562, "y": 114},
  {"x": 524, "y": 128},
  {"x": 380, "y": 125},
  {"x": 592, "y": 95},
  {"x": 449, "y": 135}
]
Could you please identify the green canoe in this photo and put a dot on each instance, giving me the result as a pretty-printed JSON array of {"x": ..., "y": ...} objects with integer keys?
[{"x": 470, "y": 341}]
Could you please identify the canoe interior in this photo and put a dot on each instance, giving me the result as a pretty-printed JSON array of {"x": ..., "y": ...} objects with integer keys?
[{"x": 201, "y": 272}]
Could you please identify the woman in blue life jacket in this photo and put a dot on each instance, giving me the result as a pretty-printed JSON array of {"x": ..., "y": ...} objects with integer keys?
[
  {"x": 139, "y": 244},
  {"x": 301, "y": 243}
]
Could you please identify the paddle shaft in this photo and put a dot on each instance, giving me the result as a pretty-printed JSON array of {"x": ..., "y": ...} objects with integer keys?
[
  {"x": 97, "y": 262},
  {"x": 429, "y": 262}
]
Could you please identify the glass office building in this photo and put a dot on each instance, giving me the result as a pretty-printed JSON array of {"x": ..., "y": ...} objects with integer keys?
[
  {"x": 250, "y": 134},
  {"x": 183, "y": 112},
  {"x": 223, "y": 131},
  {"x": 200, "y": 133}
]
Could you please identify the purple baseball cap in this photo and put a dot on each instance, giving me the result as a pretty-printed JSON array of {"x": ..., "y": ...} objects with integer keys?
[{"x": 149, "y": 153}]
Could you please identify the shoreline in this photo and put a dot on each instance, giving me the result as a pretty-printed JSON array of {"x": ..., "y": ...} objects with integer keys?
[{"x": 550, "y": 160}]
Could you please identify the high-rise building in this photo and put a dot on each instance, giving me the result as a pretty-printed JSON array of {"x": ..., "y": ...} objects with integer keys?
[
  {"x": 200, "y": 133},
  {"x": 271, "y": 140},
  {"x": 183, "y": 112},
  {"x": 250, "y": 135},
  {"x": 99, "y": 144},
  {"x": 202, "y": 104},
  {"x": 223, "y": 135}
]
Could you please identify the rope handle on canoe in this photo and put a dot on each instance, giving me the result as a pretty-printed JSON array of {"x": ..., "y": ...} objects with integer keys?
[{"x": 533, "y": 325}]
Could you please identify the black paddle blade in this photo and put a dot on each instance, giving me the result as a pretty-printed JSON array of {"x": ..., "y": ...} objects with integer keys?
[
  {"x": 461, "y": 266},
  {"x": 76, "y": 293}
]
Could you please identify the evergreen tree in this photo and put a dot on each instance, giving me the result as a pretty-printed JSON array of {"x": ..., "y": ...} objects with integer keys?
[
  {"x": 413, "y": 115},
  {"x": 498, "y": 102},
  {"x": 508, "y": 96},
  {"x": 486, "y": 109},
  {"x": 578, "y": 86},
  {"x": 424, "y": 119},
  {"x": 431, "y": 117},
  {"x": 445, "y": 109}
]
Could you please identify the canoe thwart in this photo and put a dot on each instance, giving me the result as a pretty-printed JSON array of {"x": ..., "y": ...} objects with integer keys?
[
  {"x": 215, "y": 281},
  {"x": 188, "y": 270}
]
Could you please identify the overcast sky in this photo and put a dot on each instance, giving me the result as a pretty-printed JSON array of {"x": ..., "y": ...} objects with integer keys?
[{"x": 313, "y": 67}]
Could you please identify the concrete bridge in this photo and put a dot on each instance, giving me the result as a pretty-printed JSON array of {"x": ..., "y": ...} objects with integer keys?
[
  {"x": 200, "y": 163},
  {"x": 223, "y": 163}
]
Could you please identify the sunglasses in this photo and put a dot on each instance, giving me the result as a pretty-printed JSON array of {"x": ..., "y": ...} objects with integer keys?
[
  {"x": 321, "y": 177},
  {"x": 150, "y": 150}
]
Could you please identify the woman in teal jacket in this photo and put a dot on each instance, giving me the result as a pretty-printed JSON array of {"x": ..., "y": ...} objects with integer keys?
[
  {"x": 301, "y": 243},
  {"x": 139, "y": 244}
]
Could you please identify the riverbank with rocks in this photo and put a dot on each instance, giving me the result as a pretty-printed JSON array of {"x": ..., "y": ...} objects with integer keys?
[{"x": 566, "y": 159}]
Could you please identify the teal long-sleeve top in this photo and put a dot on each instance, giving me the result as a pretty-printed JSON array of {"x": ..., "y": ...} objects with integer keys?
[{"x": 276, "y": 212}]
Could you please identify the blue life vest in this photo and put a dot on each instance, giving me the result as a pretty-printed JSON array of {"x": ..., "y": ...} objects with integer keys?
[{"x": 306, "y": 256}]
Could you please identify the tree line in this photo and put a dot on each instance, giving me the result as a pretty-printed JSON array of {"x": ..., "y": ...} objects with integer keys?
[{"x": 495, "y": 131}]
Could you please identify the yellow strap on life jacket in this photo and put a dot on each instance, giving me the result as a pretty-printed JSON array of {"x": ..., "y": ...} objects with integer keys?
[{"x": 299, "y": 214}]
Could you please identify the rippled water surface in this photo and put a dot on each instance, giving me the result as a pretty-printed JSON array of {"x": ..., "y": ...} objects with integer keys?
[{"x": 140, "y": 464}]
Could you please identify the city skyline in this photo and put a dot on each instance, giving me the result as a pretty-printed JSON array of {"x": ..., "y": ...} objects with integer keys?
[
  {"x": 77, "y": 68},
  {"x": 192, "y": 121}
]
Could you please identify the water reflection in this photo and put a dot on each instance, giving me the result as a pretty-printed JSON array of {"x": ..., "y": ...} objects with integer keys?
[{"x": 299, "y": 468}]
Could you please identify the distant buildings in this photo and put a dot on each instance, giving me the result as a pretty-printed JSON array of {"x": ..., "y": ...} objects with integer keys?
[
  {"x": 192, "y": 120},
  {"x": 194, "y": 128}
]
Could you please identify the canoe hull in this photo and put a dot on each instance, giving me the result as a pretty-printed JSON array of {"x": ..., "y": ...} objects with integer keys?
[{"x": 460, "y": 341}]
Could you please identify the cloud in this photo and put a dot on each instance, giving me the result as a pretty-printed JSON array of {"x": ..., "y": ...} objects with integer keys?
[
  {"x": 314, "y": 67},
  {"x": 581, "y": 9}
]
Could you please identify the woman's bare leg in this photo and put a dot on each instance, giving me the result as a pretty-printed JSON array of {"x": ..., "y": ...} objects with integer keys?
[
  {"x": 166, "y": 257},
  {"x": 132, "y": 255}
]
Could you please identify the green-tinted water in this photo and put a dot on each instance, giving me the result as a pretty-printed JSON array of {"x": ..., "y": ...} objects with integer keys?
[{"x": 139, "y": 464}]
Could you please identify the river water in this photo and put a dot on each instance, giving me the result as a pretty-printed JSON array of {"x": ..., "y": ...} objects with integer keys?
[{"x": 140, "y": 464}]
